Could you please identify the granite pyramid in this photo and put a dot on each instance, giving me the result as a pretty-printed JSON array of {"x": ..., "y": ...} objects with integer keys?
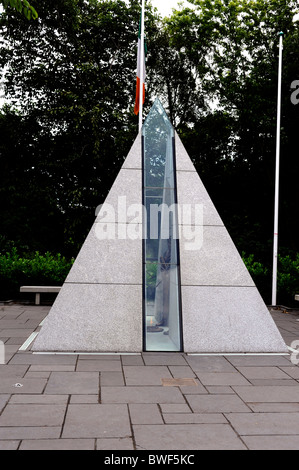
[{"x": 100, "y": 307}]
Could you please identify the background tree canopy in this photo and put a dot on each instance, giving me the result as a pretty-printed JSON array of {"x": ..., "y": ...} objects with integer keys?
[{"x": 69, "y": 78}]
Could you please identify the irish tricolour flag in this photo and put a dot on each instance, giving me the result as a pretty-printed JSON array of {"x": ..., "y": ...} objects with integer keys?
[{"x": 139, "y": 65}]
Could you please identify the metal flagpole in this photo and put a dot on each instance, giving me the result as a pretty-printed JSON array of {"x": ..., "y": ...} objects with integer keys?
[
  {"x": 275, "y": 240},
  {"x": 142, "y": 59}
]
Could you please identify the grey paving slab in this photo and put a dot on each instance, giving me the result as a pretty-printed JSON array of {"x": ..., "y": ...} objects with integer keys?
[
  {"x": 32, "y": 415},
  {"x": 12, "y": 371},
  {"x": 194, "y": 418},
  {"x": 125, "y": 443},
  {"x": 210, "y": 364},
  {"x": 84, "y": 399},
  {"x": 97, "y": 421},
  {"x": 52, "y": 368},
  {"x": 164, "y": 359},
  {"x": 191, "y": 390},
  {"x": 43, "y": 359},
  {"x": 257, "y": 361},
  {"x": 3, "y": 400},
  {"x": 150, "y": 394},
  {"x": 25, "y": 432},
  {"x": 292, "y": 371},
  {"x": 43, "y": 374},
  {"x": 181, "y": 371},
  {"x": 9, "y": 445},
  {"x": 73, "y": 383},
  {"x": 9, "y": 385},
  {"x": 39, "y": 399},
  {"x": 274, "y": 382},
  {"x": 57, "y": 444},
  {"x": 274, "y": 407},
  {"x": 145, "y": 375},
  {"x": 216, "y": 404},
  {"x": 178, "y": 408},
  {"x": 263, "y": 373},
  {"x": 272, "y": 442},
  {"x": 16, "y": 332},
  {"x": 265, "y": 423},
  {"x": 132, "y": 360},
  {"x": 145, "y": 414},
  {"x": 221, "y": 378},
  {"x": 99, "y": 357},
  {"x": 98, "y": 365},
  {"x": 266, "y": 394},
  {"x": 112, "y": 379},
  {"x": 220, "y": 390},
  {"x": 187, "y": 437}
]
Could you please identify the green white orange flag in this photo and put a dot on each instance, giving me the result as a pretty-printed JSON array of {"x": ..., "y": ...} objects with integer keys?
[{"x": 139, "y": 65}]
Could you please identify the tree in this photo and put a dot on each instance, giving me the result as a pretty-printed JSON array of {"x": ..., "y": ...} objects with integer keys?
[
  {"x": 233, "y": 46},
  {"x": 22, "y": 6},
  {"x": 73, "y": 74}
]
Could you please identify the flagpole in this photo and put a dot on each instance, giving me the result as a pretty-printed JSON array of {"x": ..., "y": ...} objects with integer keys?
[
  {"x": 275, "y": 240},
  {"x": 142, "y": 59}
]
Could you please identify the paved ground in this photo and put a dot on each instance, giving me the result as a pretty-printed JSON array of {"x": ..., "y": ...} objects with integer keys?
[{"x": 88, "y": 402}]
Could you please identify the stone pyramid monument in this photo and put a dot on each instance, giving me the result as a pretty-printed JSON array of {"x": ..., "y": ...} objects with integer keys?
[{"x": 158, "y": 270}]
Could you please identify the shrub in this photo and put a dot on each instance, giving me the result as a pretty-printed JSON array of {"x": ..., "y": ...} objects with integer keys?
[
  {"x": 287, "y": 278},
  {"x": 36, "y": 269}
]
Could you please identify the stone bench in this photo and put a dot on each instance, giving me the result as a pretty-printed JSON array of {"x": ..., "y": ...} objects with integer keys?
[
  {"x": 38, "y": 290},
  {"x": 297, "y": 297}
]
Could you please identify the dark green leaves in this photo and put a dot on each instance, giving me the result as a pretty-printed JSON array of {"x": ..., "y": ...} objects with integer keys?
[{"x": 22, "y": 6}]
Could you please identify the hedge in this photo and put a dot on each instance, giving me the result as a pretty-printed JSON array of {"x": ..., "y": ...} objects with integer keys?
[
  {"x": 48, "y": 269},
  {"x": 36, "y": 269}
]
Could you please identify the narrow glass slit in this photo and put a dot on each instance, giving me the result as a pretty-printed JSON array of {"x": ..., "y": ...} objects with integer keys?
[{"x": 162, "y": 309}]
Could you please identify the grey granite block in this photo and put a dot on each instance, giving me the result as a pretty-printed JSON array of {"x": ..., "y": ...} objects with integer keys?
[
  {"x": 228, "y": 319},
  {"x": 125, "y": 192},
  {"x": 93, "y": 317},
  {"x": 191, "y": 192},
  {"x": 104, "y": 261},
  {"x": 183, "y": 161},
  {"x": 134, "y": 159},
  {"x": 216, "y": 262}
]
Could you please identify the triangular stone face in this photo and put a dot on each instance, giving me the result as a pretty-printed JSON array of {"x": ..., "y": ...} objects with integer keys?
[
  {"x": 100, "y": 305},
  {"x": 99, "y": 308},
  {"x": 222, "y": 309}
]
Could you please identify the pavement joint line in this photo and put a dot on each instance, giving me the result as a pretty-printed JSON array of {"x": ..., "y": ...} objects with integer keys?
[
  {"x": 28, "y": 341},
  {"x": 240, "y": 354},
  {"x": 84, "y": 353}
]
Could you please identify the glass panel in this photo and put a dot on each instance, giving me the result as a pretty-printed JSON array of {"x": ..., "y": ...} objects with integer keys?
[
  {"x": 161, "y": 271},
  {"x": 161, "y": 225},
  {"x": 162, "y": 307},
  {"x": 158, "y": 148}
]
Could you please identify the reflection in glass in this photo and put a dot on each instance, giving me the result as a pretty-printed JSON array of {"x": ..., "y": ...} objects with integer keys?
[{"x": 161, "y": 260}]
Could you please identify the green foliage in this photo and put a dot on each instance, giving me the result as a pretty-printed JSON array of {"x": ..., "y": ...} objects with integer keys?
[
  {"x": 70, "y": 79},
  {"x": 22, "y": 6},
  {"x": 35, "y": 269},
  {"x": 287, "y": 278}
]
